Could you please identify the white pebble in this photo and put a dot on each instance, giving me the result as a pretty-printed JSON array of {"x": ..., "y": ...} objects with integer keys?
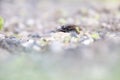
[
  {"x": 28, "y": 44},
  {"x": 87, "y": 41},
  {"x": 37, "y": 48},
  {"x": 2, "y": 36}
]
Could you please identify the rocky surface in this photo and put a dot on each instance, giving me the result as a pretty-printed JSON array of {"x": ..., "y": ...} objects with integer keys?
[{"x": 75, "y": 38}]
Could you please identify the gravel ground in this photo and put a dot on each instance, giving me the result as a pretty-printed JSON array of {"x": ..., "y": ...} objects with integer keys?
[
  {"x": 40, "y": 29},
  {"x": 67, "y": 40}
]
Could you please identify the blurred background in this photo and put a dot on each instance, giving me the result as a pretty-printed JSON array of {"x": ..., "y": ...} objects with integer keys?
[
  {"x": 36, "y": 8},
  {"x": 98, "y": 61}
]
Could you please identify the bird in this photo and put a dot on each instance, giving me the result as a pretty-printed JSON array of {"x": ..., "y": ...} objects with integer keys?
[{"x": 69, "y": 28}]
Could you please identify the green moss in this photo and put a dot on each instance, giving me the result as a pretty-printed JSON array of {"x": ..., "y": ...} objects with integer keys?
[
  {"x": 95, "y": 36},
  {"x": 1, "y": 23}
]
